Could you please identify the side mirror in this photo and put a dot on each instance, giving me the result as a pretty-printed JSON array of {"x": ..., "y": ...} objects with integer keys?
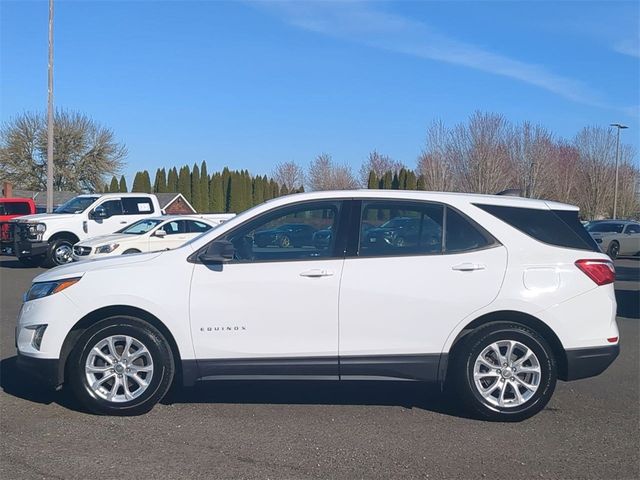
[
  {"x": 160, "y": 233},
  {"x": 219, "y": 251},
  {"x": 100, "y": 212}
]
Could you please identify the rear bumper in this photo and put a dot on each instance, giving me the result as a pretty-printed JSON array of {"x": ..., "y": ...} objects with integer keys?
[
  {"x": 589, "y": 362},
  {"x": 44, "y": 371}
]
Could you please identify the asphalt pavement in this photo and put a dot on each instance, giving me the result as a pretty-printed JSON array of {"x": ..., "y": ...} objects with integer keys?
[{"x": 590, "y": 429}]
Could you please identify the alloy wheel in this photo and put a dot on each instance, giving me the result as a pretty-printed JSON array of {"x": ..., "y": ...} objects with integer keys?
[
  {"x": 507, "y": 373},
  {"x": 119, "y": 368}
]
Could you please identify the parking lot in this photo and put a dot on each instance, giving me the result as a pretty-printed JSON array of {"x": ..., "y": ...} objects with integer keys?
[{"x": 590, "y": 429}]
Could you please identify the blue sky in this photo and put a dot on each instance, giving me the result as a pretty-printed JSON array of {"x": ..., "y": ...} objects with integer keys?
[{"x": 250, "y": 84}]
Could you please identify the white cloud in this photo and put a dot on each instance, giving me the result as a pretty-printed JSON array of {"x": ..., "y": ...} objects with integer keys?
[
  {"x": 629, "y": 47},
  {"x": 360, "y": 22}
]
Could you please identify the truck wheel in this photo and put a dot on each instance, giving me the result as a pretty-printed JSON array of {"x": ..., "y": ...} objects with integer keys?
[
  {"x": 121, "y": 366},
  {"x": 34, "y": 261},
  {"x": 60, "y": 253},
  {"x": 504, "y": 371}
]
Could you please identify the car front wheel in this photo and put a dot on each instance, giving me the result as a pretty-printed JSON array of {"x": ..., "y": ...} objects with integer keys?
[
  {"x": 505, "y": 372},
  {"x": 121, "y": 366}
]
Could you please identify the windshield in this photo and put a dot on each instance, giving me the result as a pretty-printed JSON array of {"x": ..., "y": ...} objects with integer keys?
[
  {"x": 140, "y": 227},
  {"x": 605, "y": 227},
  {"x": 76, "y": 205}
]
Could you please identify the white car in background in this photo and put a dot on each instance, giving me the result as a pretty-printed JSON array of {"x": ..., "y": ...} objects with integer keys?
[
  {"x": 147, "y": 235},
  {"x": 616, "y": 237}
]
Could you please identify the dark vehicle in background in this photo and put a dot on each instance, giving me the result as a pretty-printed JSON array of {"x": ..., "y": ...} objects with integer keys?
[
  {"x": 404, "y": 231},
  {"x": 287, "y": 235},
  {"x": 616, "y": 237},
  {"x": 12, "y": 208}
]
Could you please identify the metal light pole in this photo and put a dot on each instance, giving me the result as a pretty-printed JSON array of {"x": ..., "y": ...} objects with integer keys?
[
  {"x": 50, "y": 116},
  {"x": 615, "y": 188}
]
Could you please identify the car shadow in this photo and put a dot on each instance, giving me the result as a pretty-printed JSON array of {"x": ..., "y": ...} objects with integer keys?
[
  {"x": 402, "y": 394},
  {"x": 11, "y": 262}
]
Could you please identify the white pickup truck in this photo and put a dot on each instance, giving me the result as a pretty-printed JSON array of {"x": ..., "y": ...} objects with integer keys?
[{"x": 48, "y": 238}]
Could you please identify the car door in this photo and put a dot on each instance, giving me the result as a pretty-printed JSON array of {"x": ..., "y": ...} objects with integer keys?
[
  {"x": 402, "y": 295},
  {"x": 175, "y": 235},
  {"x": 273, "y": 310},
  {"x": 630, "y": 240},
  {"x": 112, "y": 223}
]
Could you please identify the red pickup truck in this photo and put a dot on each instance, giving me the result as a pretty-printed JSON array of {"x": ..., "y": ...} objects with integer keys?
[{"x": 11, "y": 208}]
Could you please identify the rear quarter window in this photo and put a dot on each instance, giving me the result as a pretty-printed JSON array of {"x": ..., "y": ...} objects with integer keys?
[{"x": 561, "y": 228}]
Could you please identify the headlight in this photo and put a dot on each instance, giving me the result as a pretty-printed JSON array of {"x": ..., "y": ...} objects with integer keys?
[
  {"x": 107, "y": 248},
  {"x": 44, "y": 289}
]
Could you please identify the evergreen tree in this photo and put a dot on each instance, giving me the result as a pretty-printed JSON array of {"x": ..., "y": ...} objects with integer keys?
[
  {"x": 105, "y": 188},
  {"x": 196, "y": 199},
  {"x": 146, "y": 182},
  {"x": 387, "y": 181},
  {"x": 258, "y": 190},
  {"x": 412, "y": 181},
  {"x": 216, "y": 200},
  {"x": 137, "y": 183},
  {"x": 395, "y": 182},
  {"x": 234, "y": 193},
  {"x": 204, "y": 187},
  {"x": 114, "y": 187},
  {"x": 402, "y": 179},
  {"x": 160, "y": 182},
  {"x": 373, "y": 180},
  {"x": 421, "y": 183},
  {"x": 184, "y": 183},
  {"x": 283, "y": 190},
  {"x": 172, "y": 180},
  {"x": 226, "y": 174},
  {"x": 123, "y": 185}
]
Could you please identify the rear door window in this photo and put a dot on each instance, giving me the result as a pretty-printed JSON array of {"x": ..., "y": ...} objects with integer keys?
[
  {"x": 561, "y": 228},
  {"x": 137, "y": 205},
  {"x": 391, "y": 228}
]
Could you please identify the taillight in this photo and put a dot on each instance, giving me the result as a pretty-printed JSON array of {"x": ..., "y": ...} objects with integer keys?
[{"x": 601, "y": 272}]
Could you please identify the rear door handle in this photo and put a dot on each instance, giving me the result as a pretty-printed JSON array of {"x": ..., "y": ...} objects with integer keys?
[
  {"x": 468, "y": 267},
  {"x": 316, "y": 272}
]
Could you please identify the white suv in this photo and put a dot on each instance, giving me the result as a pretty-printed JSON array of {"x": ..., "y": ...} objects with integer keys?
[{"x": 496, "y": 296}]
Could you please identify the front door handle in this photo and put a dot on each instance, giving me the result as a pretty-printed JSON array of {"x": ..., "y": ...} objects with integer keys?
[
  {"x": 316, "y": 272},
  {"x": 123, "y": 222},
  {"x": 468, "y": 267}
]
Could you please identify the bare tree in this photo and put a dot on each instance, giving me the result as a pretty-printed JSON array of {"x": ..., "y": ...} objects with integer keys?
[
  {"x": 85, "y": 153},
  {"x": 323, "y": 174},
  {"x": 289, "y": 174},
  {"x": 563, "y": 178},
  {"x": 479, "y": 154},
  {"x": 530, "y": 150},
  {"x": 434, "y": 163},
  {"x": 596, "y": 149},
  {"x": 378, "y": 164},
  {"x": 628, "y": 184}
]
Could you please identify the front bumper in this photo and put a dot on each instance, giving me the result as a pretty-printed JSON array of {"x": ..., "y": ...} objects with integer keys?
[
  {"x": 26, "y": 248},
  {"x": 44, "y": 371},
  {"x": 589, "y": 362}
]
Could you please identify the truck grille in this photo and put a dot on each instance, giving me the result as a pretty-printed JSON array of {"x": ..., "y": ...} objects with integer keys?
[{"x": 80, "y": 251}]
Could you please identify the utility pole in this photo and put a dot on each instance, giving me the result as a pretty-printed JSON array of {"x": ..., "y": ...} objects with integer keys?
[
  {"x": 50, "y": 116},
  {"x": 615, "y": 187}
]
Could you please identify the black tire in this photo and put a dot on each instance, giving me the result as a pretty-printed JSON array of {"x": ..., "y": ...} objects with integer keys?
[
  {"x": 284, "y": 241},
  {"x": 141, "y": 331},
  {"x": 52, "y": 259},
  {"x": 34, "y": 261},
  {"x": 473, "y": 345},
  {"x": 614, "y": 250},
  {"x": 131, "y": 250}
]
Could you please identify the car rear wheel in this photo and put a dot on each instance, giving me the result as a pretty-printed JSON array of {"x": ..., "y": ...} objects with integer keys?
[
  {"x": 121, "y": 366},
  {"x": 504, "y": 372},
  {"x": 614, "y": 250}
]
